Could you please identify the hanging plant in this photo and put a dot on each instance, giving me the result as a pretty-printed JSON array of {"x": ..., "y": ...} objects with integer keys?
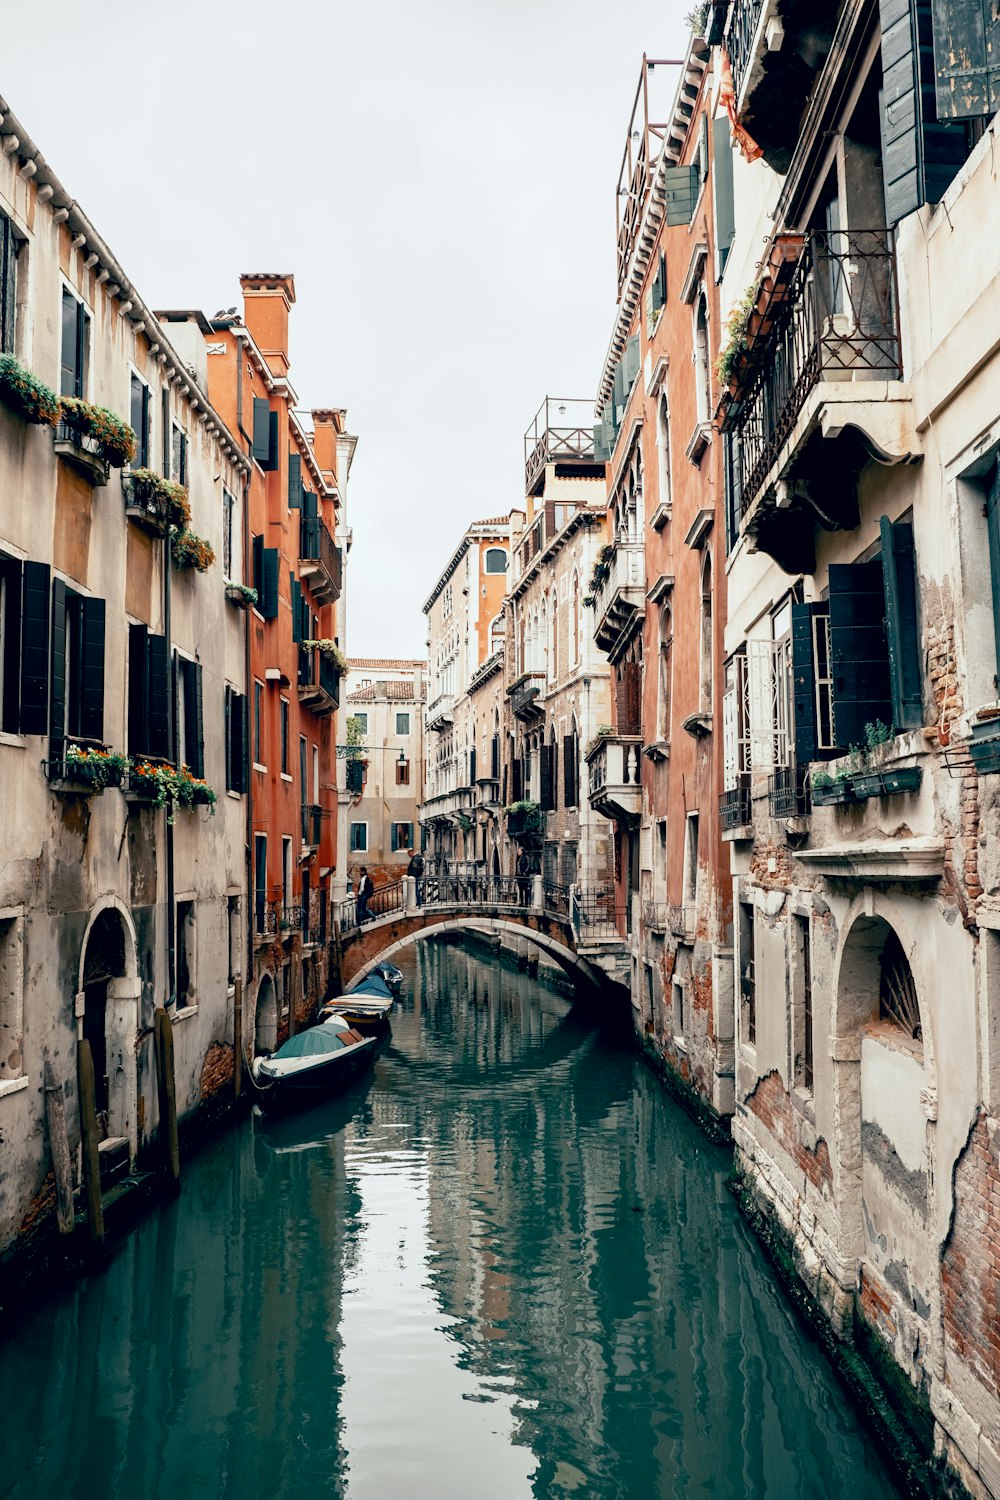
[
  {"x": 113, "y": 437},
  {"x": 163, "y": 503},
  {"x": 242, "y": 594},
  {"x": 190, "y": 551},
  {"x": 331, "y": 651},
  {"x": 25, "y": 394},
  {"x": 98, "y": 768},
  {"x": 171, "y": 787},
  {"x": 736, "y": 337}
]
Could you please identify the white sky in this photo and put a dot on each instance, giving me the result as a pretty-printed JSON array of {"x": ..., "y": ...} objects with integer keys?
[{"x": 440, "y": 178}]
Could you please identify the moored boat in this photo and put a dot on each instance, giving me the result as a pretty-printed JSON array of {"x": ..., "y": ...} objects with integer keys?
[
  {"x": 316, "y": 1062},
  {"x": 390, "y": 975},
  {"x": 364, "y": 1007}
]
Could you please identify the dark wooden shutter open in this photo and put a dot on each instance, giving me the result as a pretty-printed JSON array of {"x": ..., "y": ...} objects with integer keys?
[
  {"x": 902, "y": 638},
  {"x": 57, "y": 672},
  {"x": 257, "y": 565},
  {"x": 237, "y": 726},
  {"x": 804, "y": 682},
  {"x": 262, "y": 430},
  {"x": 35, "y": 590},
  {"x": 472, "y": 766},
  {"x": 296, "y": 589},
  {"x": 268, "y": 603},
  {"x": 10, "y": 708},
  {"x": 628, "y": 697},
  {"x": 859, "y": 656},
  {"x": 273, "y": 455},
  {"x": 194, "y": 719},
  {"x": 966, "y": 58},
  {"x": 227, "y": 711},
  {"x": 516, "y": 781},
  {"x": 138, "y": 693},
  {"x": 294, "y": 481},
  {"x": 570, "y": 777},
  {"x": 92, "y": 683},
  {"x": 158, "y": 696},
  {"x": 545, "y": 778},
  {"x": 722, "y": 182}
]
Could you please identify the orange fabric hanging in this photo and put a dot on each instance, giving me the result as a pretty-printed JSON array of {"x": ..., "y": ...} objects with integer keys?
[{"x": 727, "y": 97}]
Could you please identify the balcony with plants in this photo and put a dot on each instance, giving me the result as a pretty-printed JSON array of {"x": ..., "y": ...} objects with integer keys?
[
  {"x": 617, "y": 592},
  {"x": 158, "y": 783},
  {"x": 25, "y": 395},
  {"x": 92, "y": 439},
  {"x": 155, "y": 504},
  {"x": 86, "y": 768},
  {"x": 776, "y": 52},
  {"x": 867, "y": 771},
  {"x": 321, "y": 666},
  {"x": 812, "y": 371},
  {"x": 526, "y": 693}
]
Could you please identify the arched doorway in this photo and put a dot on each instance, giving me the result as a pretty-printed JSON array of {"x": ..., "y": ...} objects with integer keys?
[
  {"x": 265, "y": 1038},
  {"x": 109, "y": 1017}
]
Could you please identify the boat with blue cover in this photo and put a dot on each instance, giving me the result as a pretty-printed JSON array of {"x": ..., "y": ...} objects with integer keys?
[{"x": 316, "y": 1062}]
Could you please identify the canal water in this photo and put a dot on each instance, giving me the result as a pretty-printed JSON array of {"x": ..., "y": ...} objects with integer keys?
[{"x": 505, "y": 1266}]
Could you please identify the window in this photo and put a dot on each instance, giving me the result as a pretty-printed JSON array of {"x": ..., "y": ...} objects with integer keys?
[
  {"x": 75, "y": 346},
  {"x": 366, "y": 682},
  {"x": 8, "y": 284},
  {"x": 258, "y": 723},
  {"x": 76, "y": 684},
  {"x": 149, "y": 695},
  {"x": 284, "y": 736},
  {"x": 691, "y": 861},
  {"x": 190, "y": 716},
  {"x": 233, "y": 929},
  {"x": 707, "y": 643},
  {"x": 139, "y": 417},
  {"x": 656, "y": 294},
  {"x": 260, "y": 880},
  {"x": 663, "y": 457},
  {"x": 664, "y": 678},
  {"x": 748, "y": 985},
  {"x": 178, "y": 455},
  {"x": 702, "y": 371},
  {"x": 571, "y": 769},
  {"x": 677, "y": 1009},
  {"x": 11, "y": 997},
  {"x": 361, "y": 721},
  {"x": 803, "y": 1033},
  {"x": 496, "y": 560},
  {"x": 304, "y": 769},
  {"x": 11, "y": 582},
  {"x": 186, "y": 994},
  {"x": 402, "y": 723},
  {"x": 402, "y": 773},
  {"x": 228, "y": 517},
  {"x": 315, "y": 786},
  {"x": 897, "y": 996},
  {"x": 402, "y": 836},
  {"x": 286, "y": 873},
  {"x": 359, "y": 838},
  {"x": 236, "y": 740},
  {"x": 265, "y": 434},
  {"x": 574, "y": 624}
]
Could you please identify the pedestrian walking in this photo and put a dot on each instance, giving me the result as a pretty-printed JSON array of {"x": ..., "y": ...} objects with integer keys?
[
  {"x": 416, "y": 869},
  {"x": 365, "y": 892},
  {"x": 524, "y": 879}
]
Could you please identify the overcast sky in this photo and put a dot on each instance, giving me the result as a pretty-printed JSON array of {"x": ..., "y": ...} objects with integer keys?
[{"x": 438, "y": 174}]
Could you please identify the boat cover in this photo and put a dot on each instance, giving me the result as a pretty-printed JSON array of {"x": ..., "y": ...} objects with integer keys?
[
  {"x": 312, "y": 1043},
  {"x": 373, "y": 985}
]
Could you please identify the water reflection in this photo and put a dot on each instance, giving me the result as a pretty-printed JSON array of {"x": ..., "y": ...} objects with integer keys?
[{"x": 505, "y": 1267}]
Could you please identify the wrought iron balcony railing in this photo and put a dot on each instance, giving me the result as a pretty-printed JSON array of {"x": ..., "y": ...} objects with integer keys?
[
  {"x": 735, "y": 808},
  {"x": 788, "y": 793},
  {"x": 743, "y": 25},
  {"x": 320, "y": 562},
  {"x": 836, "y": 319}
]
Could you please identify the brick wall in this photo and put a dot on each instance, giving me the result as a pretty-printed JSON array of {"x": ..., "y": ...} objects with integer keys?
[
  {"x": 970, "y": 1268},
  {"x": 771, "y": 1105}
]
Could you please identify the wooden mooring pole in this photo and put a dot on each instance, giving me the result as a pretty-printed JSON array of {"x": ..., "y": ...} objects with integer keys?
[
  {"x": 166, "y": 1089},
  {"x": 91, "y": 1140},
  {"x": 62, "y": 1168},
  {"x": 237, "y": 1036}
]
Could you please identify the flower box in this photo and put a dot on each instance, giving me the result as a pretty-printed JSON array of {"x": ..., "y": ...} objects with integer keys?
[
  {"x": 866, "y": 784},
  {"x": 833, "y": 793},
  {"x": 241, "y": 595},
  {"x": 30, "y": 398},
  {"x": 81, "y": 450},
  {"x": 154, "y": 503},
  {"x": 190, "y": 551},
  {"x": 109, "y": 435},
  {"x": 87, "y": 769},
  {"x": 902, "y": 779}
]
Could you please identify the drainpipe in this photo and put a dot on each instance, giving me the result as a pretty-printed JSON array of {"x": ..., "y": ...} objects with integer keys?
[
  {"x": 248, "y": 853},
  {"x": 172, "y": 755}
]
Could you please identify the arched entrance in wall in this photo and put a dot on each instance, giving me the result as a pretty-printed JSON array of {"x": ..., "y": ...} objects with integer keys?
[
  {"x": 265, "y": 1036},
  {"x": 108, "y": 1016},
  {"x": 884, "y": 1086}
]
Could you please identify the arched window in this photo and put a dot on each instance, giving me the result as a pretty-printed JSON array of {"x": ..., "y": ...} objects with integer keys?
[
  {"x": 664, "y": 674},
  {"x": 522, "y": 644},
  {"x": 574, "y": 624},
  {"x": 897, "y": 995},
  {"x": 706, "y": 637},
  {"x": 663, "y": 448},
  {"x": 703, "y": 377},
  {"x": 554, "y": 639},
  {"x": 496, "y": 560}
]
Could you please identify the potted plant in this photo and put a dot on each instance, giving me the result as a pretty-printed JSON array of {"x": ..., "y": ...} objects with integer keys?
[
  {"x": 901, "y": 779},
  {"x": 241, "y": 594},
  {"x": 154, "y": 502},
  {"x": 731, "y": 357},
  {"x": 601, "y": 733},
  {"x": 170, "y": 786},
  {"x": 331, "y": 651},
  {"x": 25, "y": 394},
  {"x": 112, "y": 437},
  {"x": 829, "y": 790},
  {"x": 190, "y": 551},
  {"x": 91, "y": 766},
  {"x": 525, "y": 821}
]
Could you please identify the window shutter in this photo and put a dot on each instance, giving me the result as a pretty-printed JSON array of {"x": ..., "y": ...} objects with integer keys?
[
  {"x": 760, "y": 678},
  {"x": 10, "y": 632},
  {"x": 601, "y": 454},
  {"x": 268, "y": 604},
  {"x": 296, "y": 588},
  {"x": 730, "y": 740},
  {"x": 273, "y": 457},
  {"x": 138, "y": 694},
  {"x": 165, "y": 424},
  {"x": 495, "y": 757},
  {"x": 516, "y": 782},
  {"x": 395, "y": 837},
  {"x": 257, "y": 565},
  {"x": 157, "y": 697},
  {"x": 569, "y": 771},
  {"x": 237, "y": 725},
  {"x": 966, "y": 58},
  {"x": 545, "y": 778},
  {"x": 804, "y": 683},
  {"x": 681, "y": 194},
  {"x": 631, "y": 361},
  {"x": 618, "y": 394},
  {"x": 194, "y": 720},
  {"x": 725, "y": 206},
  {"x": 262, "y": 430},
  {"x": 294, "y": 481},
  {"x": 227, "y": 709},
  {"x": 57, "y": 672},
  {"x": 355, "y": 777},
  {"x": 902, "y": 153},
  {"x": 35, "y": 591},
  {"x": 92, "y": 683},
  {"x": 703, "y": 148},
  {"x": 900, "y": 584},
  {"x": 472, "y": 766},
  {"x": 858, "y": 655}
]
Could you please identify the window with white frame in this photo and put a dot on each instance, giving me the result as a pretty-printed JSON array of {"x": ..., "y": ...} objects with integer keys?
[
  {"x": 359, "y": 838},
  {"x": 11, "y": 997},
  {"x": 736, "y": 721},
  {"x": 75, "y": 357}
]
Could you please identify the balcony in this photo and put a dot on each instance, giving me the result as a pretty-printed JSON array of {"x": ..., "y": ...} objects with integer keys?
[
  {"x": 682, "y": 922},
  {"x": 735, "y": 808},
  {"x": 82, "y": 452},
  {"x": 318, "y": 682},
  {"x": 441, "y": 713},
  {"x": 818, "y": 391},
  {"x": 620, "y": 598},
  {"x": 525, "y": 696},
  {"x": 616, "y": 777},
  {"x": 312, "y": 824},
  {"x": 788, "y": 793},
  {"x": 320, "y": 561},
  {"x": 776, "y": 52},
  {"x": 562, "y": 433}
]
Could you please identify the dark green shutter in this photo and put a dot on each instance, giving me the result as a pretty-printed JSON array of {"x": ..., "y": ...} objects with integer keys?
[
  {"x": 257, "y": 562},
  {"x": 516, "y": 781},
  {"x": 227, "y": 711},
  {"x": 262, "y": 430},
  {"x": 618, "y": 394},
  {"x": 57, "y": 672},
  {"x": 570, "y": 774},
  {"x": 632, "y": 361},
  {"x": 297, "y": 635},
  {"x": 725, "y": 205},
  {"x": 194, "y": 718},
  {"x": 294, "y": 481},
  {"x": 138, "y": 691},
  {"x": 35, "y": 648},
  {"x": 472, "y": 766},
  {"x": 165, "y": 424},
  {"x": 355, "y": 777},
  {"x": 902, "y": 637},
  {"x": 966, "y": 58},
  {"x": 703, "y": 148},
  {"x": 158, "y": 697},
  {"x": 237, "y": 731},
  {"x": 10, "y": 631},
  {"x": 273, "y": 456},
  {"x": 804, "y": 682},
  {"x": 545, "y": 778},
  {"x": 858, "y": 654},
  {"x": 268, "y": 604},
  {"x": 92, "y": 683},
  {"x": 681, "y": 194}
]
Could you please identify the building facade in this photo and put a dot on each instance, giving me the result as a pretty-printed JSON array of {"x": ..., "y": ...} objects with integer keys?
[
  {"x": 123, "y": 808},
  {"x": 384, "y": 756}
]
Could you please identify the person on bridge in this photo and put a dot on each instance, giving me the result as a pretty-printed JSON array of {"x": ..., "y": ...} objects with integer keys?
[
  {"x": 365, "y": 892},
  {"x": 416, "y": 869}
]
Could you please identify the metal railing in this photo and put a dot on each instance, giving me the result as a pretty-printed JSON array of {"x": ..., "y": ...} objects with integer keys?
[
  {"x": 740, "y": 38},
  {"x": 837, "y": 320},
  {"x": 524, "y": 696},
  {"x": 562, "y": 431},
  {"x": 597, "y": 917},
  {"x": 788, "y": 793},
  {"x": 681, "y": 920},
  {"x": 312, "y": 823},
  {"x": 317, "y": 548},
  {"x": 654, "y": 916},
  {"x": 735, "y": 808},
  {"x": 555, "y": 898},
  {"x": 318, "y": 680},
  {"x": 625, "y": 573}
]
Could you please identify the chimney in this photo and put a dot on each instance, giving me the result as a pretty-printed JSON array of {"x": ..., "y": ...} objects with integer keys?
[
  {"x": 266, "y": 302},
  {"x": 326, "y": 422}
]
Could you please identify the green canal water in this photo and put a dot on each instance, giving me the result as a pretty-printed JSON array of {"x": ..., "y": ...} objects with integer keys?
[{"x": 505, "y": 1266}]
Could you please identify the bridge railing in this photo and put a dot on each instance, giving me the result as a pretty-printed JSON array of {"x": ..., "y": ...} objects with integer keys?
[
  {"x": 596, "y": 917},
  {"x": 450, "y": 888},
  {"x": 555, "y": 898}
]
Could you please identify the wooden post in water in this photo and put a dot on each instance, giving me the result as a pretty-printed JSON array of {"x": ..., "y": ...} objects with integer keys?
[
  {"x": 88, "y": 1127},
  {"x": 166, "y": 1089},
  {"x": 55, "y": 1115},
  {"x": 237, "y": 1036},
  {"x": 293, "y": 970}
]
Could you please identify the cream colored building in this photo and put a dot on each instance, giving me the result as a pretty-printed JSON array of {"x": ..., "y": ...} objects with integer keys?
[{"x": 385, "y": 702}]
